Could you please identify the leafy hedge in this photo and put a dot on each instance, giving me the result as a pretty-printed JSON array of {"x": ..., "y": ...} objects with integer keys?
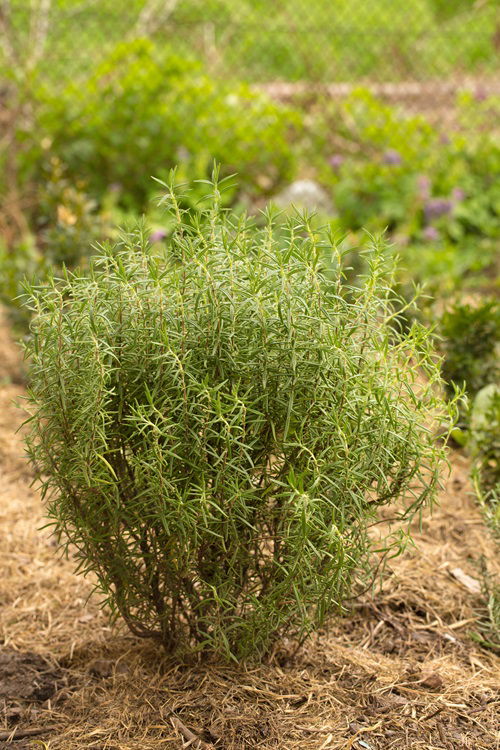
[{"x": 144, "y": 110}]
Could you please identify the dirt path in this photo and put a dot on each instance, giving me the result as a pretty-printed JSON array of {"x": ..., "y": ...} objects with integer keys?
[{"x": 402, "y": 672}]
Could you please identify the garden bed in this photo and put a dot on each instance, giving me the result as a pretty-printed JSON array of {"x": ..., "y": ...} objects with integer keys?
[{"x": 400, "y": 672}]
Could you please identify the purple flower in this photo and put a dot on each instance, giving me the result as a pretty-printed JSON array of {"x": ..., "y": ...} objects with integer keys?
[
  {"x": 436, "y": 207},
  {"x": 424, "y": 185},
  {"x": 458, "y": 194},
  {"x": 392, "y": 158},
  {"x": 157, "y": 236},
  {"x": 444, "y": 140},
  {"x": 336, "y": 161},
  {"x": 430, "y": 234}
]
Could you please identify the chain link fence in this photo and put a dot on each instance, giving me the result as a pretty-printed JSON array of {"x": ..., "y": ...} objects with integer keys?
[{"x": 384, "y": 44}]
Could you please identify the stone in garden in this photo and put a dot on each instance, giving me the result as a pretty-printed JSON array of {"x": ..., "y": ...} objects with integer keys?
[{"x": 305, "y": 194}]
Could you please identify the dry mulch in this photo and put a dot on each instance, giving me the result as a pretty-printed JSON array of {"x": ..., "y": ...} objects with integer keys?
[{"x": 400, "y": 672}]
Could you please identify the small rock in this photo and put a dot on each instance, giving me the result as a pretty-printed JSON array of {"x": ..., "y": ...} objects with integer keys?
[
  {"x": 122, "y": 668},
  {"x": 305, "y": 194},
  {"x": 101, "y": 668},
  {"x": 433, "y": 681},
  {"x": 87, "y": 617}
]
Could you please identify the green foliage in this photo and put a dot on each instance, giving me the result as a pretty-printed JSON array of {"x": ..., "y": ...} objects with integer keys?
[
  {"x": 444, "y": 9},
  {"x": 16, "y": 265},
  {"x": 68, "y": 222},
  {"x": 65, "y": 226},
  {"x": 437, "y": 196},
  {"x": 401, "y": 166},
  {"x": 488, "y": 615},
  {"x": 484, "y": 444},
  {"x": 216, "y": 425},
  {"x": 142, "y": 108},
  {"x": 471, "y": 347},
  {"x": 471, "y": 336}
]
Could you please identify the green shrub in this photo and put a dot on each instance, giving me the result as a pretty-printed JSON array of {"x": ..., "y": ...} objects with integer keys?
[
  {"x": 471, "y": 336},
  {"x": 24, "y": 261},
  {"x": 484, "y": 445},
  {"x": 471, "y": 340},
  {"x": 66, "y": 226},
  {"x": 67, "y": 222},
  {"x": 217, "y": 425},
  {"x": 144, "y": 109},
  {"x": 487, "y": 615}
]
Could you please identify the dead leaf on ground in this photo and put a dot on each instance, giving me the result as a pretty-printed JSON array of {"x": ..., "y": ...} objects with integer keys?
[{"x": 466, "y": 580}]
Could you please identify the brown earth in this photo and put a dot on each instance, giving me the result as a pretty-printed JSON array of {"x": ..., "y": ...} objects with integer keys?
[{"x": 401, "y": 672}]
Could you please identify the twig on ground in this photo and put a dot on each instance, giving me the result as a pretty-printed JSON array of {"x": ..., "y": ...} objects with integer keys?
[
  {"x": 189, "y": 736},
  {"x": 20, "y": 734}
]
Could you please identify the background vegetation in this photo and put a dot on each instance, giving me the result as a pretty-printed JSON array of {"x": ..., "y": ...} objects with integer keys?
[{"x": 326, "y": 40}]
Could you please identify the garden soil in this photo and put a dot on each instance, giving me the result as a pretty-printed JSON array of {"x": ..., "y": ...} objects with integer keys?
[{"x": 402, "y": 671}]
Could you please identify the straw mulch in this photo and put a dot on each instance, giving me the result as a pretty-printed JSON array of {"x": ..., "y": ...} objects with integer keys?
[{"x": 400, "y": 672}]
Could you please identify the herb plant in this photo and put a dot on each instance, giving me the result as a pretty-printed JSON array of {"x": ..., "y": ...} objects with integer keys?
[{"x": 217, "y": 424}]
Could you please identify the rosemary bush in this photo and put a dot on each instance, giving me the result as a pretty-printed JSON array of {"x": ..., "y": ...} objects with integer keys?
[{"x": 217, "y": 426}]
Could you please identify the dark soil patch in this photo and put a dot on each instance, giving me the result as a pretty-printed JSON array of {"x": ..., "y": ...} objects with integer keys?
[{"x": 26, "y": 682}]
